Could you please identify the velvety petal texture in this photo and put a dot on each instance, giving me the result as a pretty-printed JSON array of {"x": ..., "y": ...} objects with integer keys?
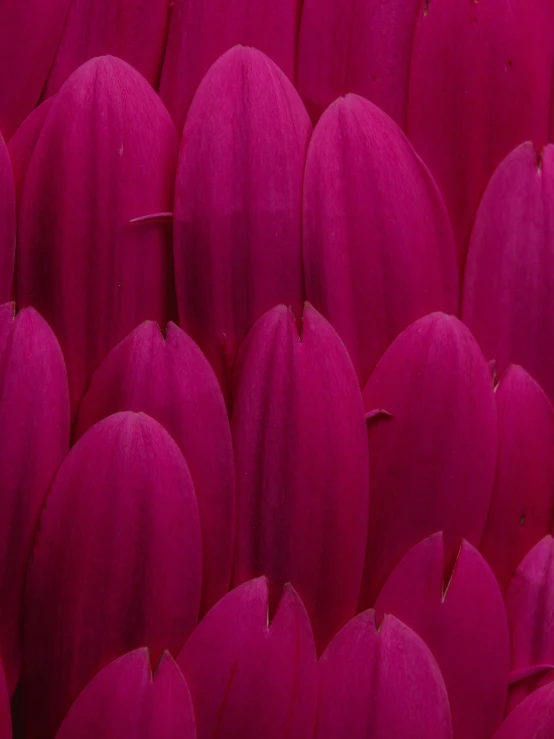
[
  {"x": 508, "y": 295},
  {"x": 360, "y": 47},
  {"x": 116, "y": 563},
  {"x": 200, "y": 31},
  {"x": 381, "y": 683},
  {"x": 5, "y": 716},
  {"x": 533, "y": 719},
  {"x": 378, "y": 248},
  {"x": 301, "y": 466},
  {"x": 106, "y": 156},
  {"x": 237, "y": 216},
  {"x": 34, "y": 439},
  {"x": 7, "y": 222},
  {"x": 173, "y": 382},
  {"x": 480, "y": 84},
  {"x": 30, "y": 32},
  {"x": 249, "y": 677},
  {"x": 126, "y": 701},
  {"x": 433, "y": 461},
  {"x": 522, "y": 505},
  {"x": 461, "y": 617},
  {"x": 133, "y": 30}
]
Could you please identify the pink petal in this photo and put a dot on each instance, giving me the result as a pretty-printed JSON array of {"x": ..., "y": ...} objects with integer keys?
[
  {"x": 461, "y": 617},
  {"x": 508, "y": 296},
  {"x": 522, "y": 503},
  {"x": 34, "y": 439},
  {"x": 480, "y": 84},
  {"x": 238, "y": 204},
  {"x": 116, "y": 563},
  {"x": 394, "y": 668},
  {"x": 200, "y": 31},
  {"x": 173, "y": 382},
  {"x": 132, "y": 30},
  {"x": 530, "y": 608},
  {"x": 301, "y": 466},
  {"x": 378, "y": 248},
  {"x": 433, "y": 462},
  {"x": 7, "y": 222},
  {"x": 30, "y": 31},
  {"x": 533, "y": 719},
  {"x": 106, "y": 155},
  {"x": 356, "y": 47},
  {"x": 5, "y": 716},
  {"x": 249, "y": 678},
  {"x": 126, "y": 701}
]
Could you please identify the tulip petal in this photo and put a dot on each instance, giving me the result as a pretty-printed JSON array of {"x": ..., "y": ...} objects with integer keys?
[
  {"x": 34, "y": 439},
  {"x": 463, "y": 621},
  {"x": 433, "y": 462},
  {"x": 533, "y": 719},
  {"x": 480, "y": 84},
  {"x": 173, "y": 382},
  {"x": 249, "y": 678},
  {"x": 356, "y": 47},
  {"x": 5, "y": 717},
  {"x": 116, "y": 563},
  {"x": 508, "y": 295},
  {"x": 200, "y": 31},
  {"x": 530, "y": 608},
  {"x": 30, "y": 31},
  {"x": 107, "y": 154},
  {"x": 237, "y": 216},
  {"x": 378, "y": 248},
  {"x": 7, "y": 223},
  {"x": 522, "y": 502},
  {"x": 126, "y": 701},
  {"x": 396, "y": 669},
  {"x": 301, "y": 466}
]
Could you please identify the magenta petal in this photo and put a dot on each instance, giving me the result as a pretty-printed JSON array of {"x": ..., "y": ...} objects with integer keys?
[
  {"x": 462, "y": 619},
  {"x": 356, "y": 47},
  {"x": 7, "y": 223},
  {"x": 34, "y": 439},
  {"x": 522, "y": 503},
  {"x": 5, "y": 716},
  {"x": 533, "y": 719},
  {"x": 106, "y": 155},
  {"x": 173, "y": 382},
  {"x": 378, "y": 248},
  {"x": 238, "y": 198},
  {"x": 30, "y": 31},
  {"x": 116, "y": 563},
  {"x": 480, "y": 84},
  {"x": 433, "y": 462},
  {"x": 381, "y": 683},
  {"x": 301, "y": 466},
  {"x": 249, "y": 678},
  {"x": 508, "y": 296},
  {"x": 125, "y": 701},
  {"x": 530, "y": 607},
  {"x": 200, "y": 31}
]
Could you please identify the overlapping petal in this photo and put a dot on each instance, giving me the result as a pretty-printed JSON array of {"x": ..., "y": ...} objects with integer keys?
[
  {"x": 116, "y": 563},
  {"x": 248, "y": 677},
  {"x": 7, "y": 223},
  {"x": 433, "y": 461},
  {"x": 533, "y": 719},
  {"x": 461, "y": 617},
  {"x": 301, "y": 466},
  {"x": 173, "y": 382},
  {"x": 378, "y": 248},
  {"x": 237, "y": 215}
]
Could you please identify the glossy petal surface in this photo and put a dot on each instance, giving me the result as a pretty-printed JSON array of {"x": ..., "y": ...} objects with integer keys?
[
  {"x": 433, "y": 462},
  {"x": 394, "y": 667},
  {"x": 378, "y": 249},
  {"x": 250, "y": 678},
  {"x": 173, "y": 382},
  {"x": 7, "y": 223},
  {"x": 106, "y": 156},
  {"x": 301, "y": 466},
  {"x": 508, "y": 296},
  {"x": 116, "y": 563},
  {"x": 461, "y": 618},
  {"x": 533, "y": 719},
  {"x": 125, "y": 701},
  {"x": 237, "y": 215}
]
